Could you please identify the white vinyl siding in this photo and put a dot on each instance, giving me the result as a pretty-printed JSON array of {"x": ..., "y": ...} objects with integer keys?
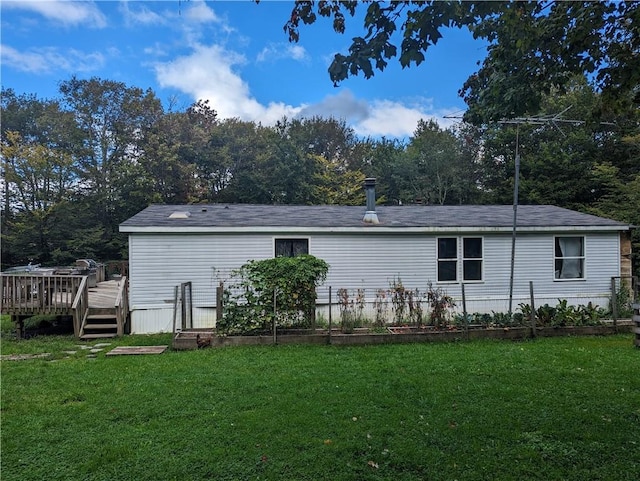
[{"x": 367, "y": 260}]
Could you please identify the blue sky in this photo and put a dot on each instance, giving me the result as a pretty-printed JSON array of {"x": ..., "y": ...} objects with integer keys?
[{"x": 233, "y": 53}]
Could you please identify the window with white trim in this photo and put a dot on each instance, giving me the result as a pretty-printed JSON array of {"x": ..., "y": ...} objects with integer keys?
[
  {"x": 450, "y": 257},
  {"x": 447, "y": 259},
  {"x": 291, "y": 247},
  {"x": 569, "y": 257},
  {"x": 472, "y": 258}
]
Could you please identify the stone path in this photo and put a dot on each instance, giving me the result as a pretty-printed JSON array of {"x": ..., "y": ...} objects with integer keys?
[{"x": 91, "y": 352}]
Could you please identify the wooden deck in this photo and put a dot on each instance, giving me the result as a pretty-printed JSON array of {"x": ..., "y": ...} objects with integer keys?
[
  {"x": 104, "y": 295},
  {"x": 100, "y": 311}
]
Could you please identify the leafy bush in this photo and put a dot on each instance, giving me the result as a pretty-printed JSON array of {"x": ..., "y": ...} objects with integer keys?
[
  {"x": 564, "y": 314},
  {"x": 290, "y": 282}
]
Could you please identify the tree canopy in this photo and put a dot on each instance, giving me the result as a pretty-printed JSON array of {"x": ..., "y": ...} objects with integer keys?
[
  {"x": 77, "y": 166},
  {"x": 534, "y": 47}
]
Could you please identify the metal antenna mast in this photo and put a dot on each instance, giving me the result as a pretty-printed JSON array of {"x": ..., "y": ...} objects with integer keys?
[{"x": 556, "y": 120}]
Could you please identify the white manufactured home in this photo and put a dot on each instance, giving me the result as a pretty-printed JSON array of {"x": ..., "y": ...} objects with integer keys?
[{"x": 565, "y": 254}]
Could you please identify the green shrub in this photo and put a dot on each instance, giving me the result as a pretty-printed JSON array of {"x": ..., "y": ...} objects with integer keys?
[
  {"x": 564, "y": 314},
  {"x": 290, "y": 282}
]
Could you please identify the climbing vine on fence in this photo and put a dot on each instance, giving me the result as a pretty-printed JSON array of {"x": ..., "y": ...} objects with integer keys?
[{"x": 289, "y": 281}]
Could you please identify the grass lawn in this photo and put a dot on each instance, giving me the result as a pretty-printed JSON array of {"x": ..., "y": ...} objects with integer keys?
[{"x": 549, "y": 409}]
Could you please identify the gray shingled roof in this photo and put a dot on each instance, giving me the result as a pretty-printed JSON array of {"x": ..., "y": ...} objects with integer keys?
[{"x": 464, "y": 216}]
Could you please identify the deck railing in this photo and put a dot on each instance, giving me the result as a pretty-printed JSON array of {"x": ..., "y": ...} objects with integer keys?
[
  {"x": 80, "y": 306},
  {"x": 34, "y": 294},
  {"x": 25, "y": 295},
  {"x": 122, "y": 305}
]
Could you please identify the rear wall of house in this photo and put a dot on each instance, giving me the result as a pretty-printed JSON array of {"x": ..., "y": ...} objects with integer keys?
[{"x": 368, "y": 261}]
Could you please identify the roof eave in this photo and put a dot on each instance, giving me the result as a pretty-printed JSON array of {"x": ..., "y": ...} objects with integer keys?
[{"x": 380, "y": 229}]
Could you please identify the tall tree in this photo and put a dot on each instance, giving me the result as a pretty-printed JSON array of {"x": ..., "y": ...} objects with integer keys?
[
  {"x": 380, "y": 158},
  {"x": 437, "y": 172},
  {"x": 112, "y": 119},
  {"x": 38, "y": 180}
]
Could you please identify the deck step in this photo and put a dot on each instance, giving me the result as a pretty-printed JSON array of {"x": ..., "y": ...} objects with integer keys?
[
  {"x": 88, "y": 326},
  {"x": 97, "y": 335},
  {"x": 101, "y": 317},
  {"x": 100, "y": 323}
]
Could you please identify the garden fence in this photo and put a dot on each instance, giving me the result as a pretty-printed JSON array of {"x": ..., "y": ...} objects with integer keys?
[{"x": 196, "y": 306}]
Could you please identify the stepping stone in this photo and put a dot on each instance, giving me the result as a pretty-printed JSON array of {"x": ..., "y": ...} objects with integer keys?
[{"x": 23, "y": 357}]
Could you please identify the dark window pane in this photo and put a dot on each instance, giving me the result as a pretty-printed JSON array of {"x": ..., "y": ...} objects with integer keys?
[
  {"x": 291, "y": 247},
  {"x": 472, "y": 247},
  {"x": 558, "y": 268},
  {"x": 447, "y": 248},
  {"x": 447, "y": 271},
  {"x": 472, "y": 270}
]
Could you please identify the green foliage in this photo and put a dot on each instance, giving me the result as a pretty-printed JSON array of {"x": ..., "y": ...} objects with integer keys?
[
  {"x": 290, "y": 282},
  {"x": 7, "y": 327},
  {"x": 435, "y": 169},
  {"x": 564, "y": 314}
]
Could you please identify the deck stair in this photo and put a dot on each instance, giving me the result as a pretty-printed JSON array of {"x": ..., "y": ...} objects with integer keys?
[{"x": 99, "y": 323}]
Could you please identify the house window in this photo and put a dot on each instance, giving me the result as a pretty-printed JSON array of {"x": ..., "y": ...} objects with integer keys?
[
  {"x": 472, "y": 258},
  {"x": 569, "y": 258},
  {"x": 291, "y": 247},
  {"x": 449, "y": 258}
]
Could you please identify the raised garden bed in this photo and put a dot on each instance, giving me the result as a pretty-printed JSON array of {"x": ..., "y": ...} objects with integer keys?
[{"x": 185, "y": 340}]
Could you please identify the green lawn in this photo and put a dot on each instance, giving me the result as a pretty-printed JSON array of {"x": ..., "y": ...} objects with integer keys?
[{"x": 550, "y": 409}]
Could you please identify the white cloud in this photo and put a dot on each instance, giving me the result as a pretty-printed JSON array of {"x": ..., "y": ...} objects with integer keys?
[
  {"x": 140, "y": 14},
  {"x": 208, "y": 74},
  {"x": 391, "y": 119},
  {"x": 377, "y": 117},
  {"x": 274, "y": 52},
  {"x": 48, "y": 60},
  {"x": 199, "y": 12},
  {"x": 67, "y": 13}
]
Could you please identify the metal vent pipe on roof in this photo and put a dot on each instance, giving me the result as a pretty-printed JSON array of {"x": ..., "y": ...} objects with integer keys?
[{"x": 370, "y": 216}]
